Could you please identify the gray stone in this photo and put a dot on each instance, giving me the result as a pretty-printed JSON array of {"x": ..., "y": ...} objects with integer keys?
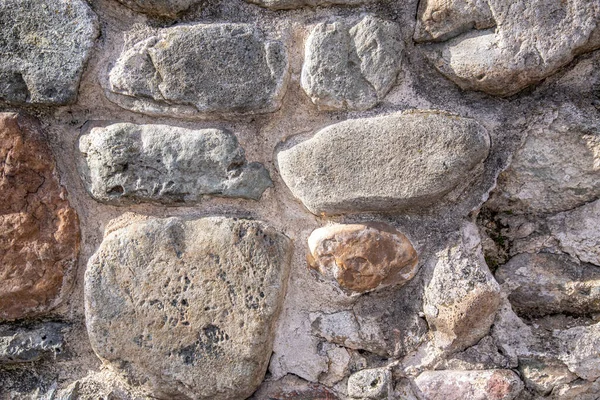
[
  {"x": 543, "y": 375},
  {"x": 351, "y": 66},
  {"x": 291, "y": 4},
  {"x": 168, "y": 8},
  {"x": 44, "y": 45},
  {"x": 530, "y": 41},
  {"x": 18, "y": 345},
  {"x": 179, "y": 71},
  {"x": 375, "y": 383},
  {"x": 499, "y": 384},
  {"x": 403, "y": 160},
  {"x": 126, "y": 163},
  {"x": 544, "y": 284},
  {"x": 580, "y": 347},
  {"x": 188, "y": 307}
]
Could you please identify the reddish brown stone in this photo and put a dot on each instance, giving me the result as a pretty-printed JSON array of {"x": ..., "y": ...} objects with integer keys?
[
  {"x": 362, "y": 257},
  {"x": 39, "y": 231}
]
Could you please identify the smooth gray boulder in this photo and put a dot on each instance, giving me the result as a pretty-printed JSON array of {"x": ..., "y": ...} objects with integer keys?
[
  {"x": 199, "y": 71},
  {"x": 187, "y": 307},
  {"x": 19, "y": 345},
  {"x": 167, "y": 8},
  {"x": 398, "y": 161},
  {"x": 351, "y": 66},
  {"x": 127, "y": 163},
  {"x": 44, "y": 45},
  {"x": 291, "y": 4},
  {"x": 530, "y": 39}
]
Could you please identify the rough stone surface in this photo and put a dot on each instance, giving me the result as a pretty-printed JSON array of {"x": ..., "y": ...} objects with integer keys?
[
  {"x": 530, "y": 41},
  {"x": 188, "y": 307},
  {"x": 126, "y": 163},
  {"x": 362, "y": 257},
  {"x": 291, "y": 4},
  {"x": 43, "y": 48},
  {"x": 18, "y": 345},
  {"x": 544, "y": 375},
  {"x": 543, "y": 284},
  {"x": 418, "y": 157},
  {"x": 376, "y": 383},
  {"x": 39, "y": 231},
  {"x": 169, "y": 8},
  {"x": 293, "y": 388},
  {"x": 350, "y": 66},
  {"x": 580, "y": 348},
  {"x": 473, "y": 385},
  {"x": 178, "y": 71}
]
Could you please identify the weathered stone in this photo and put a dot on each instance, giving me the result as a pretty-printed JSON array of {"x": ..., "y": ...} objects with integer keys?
[
  {"x": 578, "y": 233},
  {"x": 499, "y": 384},
  {"x": 376, "y": 383},
  {"x": 126, "y": 163},
  {"x": 462, "y": 296},
  {"x": 542, "y": 284},
  {"x": 168, "y": 8},
  {"x": 291, "y": 4},
  {"x": 19, "y": 345},
  {"x": 362, "y": 257},
  {"x": 39, "y": 231},
  {"x": 339, "y": 360},
  {"x": 531, "y": 40},
  {"x": 292, "y": 388},
  {"x": 179, "y": 71},
  {"x": 188, "y": 307},
  {"x": 409, "y": 159},
  {"x": 349, "y": 66},
  {"x": 544, "y": 375},
  {"x": 44, "y": 45},
  {"x": 580, "y": 347}
]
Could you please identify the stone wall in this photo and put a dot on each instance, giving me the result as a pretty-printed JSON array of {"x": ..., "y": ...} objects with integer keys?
[{"x": 300, "y": 199}]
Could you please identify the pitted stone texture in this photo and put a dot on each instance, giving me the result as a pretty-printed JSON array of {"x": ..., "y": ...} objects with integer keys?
[
  {"x": 44, "y": 45},
  {"x": 18, "y": 345},
  {"x": 545, "y": 284},
  {"x": 578, "y": 232},
  {"x": 362, "y": 257},
  {"x": 462, "y": 296},
  {"x": 580, "y": 349},
  {"x": 168, "y": 8},
  {"x": 376, "y": 384},
  {"x": 188, "y": 307},
  {"x": 531, "y": 40},
  {"x": 39, "y": 231},
  {"x": 499, "y": 384},
  {"x": 126, "y": 163},
  {"x": 351, "y": 67},
  {"x": 180, "y": 72},
  {"x": 403, "y": 160},
  {"x": 291, "y": 4}
]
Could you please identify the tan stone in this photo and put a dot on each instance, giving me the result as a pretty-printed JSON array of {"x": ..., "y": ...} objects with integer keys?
[
  {"x": 39, "y": 231},
  {"x": 362, "y": 257}
]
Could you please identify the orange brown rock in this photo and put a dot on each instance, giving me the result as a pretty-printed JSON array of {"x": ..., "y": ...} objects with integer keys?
[
  {"x": 362, "y": 257},
  {"x": 39, "y": 231}
]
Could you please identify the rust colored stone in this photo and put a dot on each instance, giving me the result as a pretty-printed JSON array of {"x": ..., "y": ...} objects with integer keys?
[
  {"x": 362, "y": 257},
  {"x": 39, "y": 231}
]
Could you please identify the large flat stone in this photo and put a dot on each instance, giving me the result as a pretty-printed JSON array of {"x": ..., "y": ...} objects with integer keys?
[
  {"x": 168, "y": 8},
  {"x": 290, "y": 4},
  {"x": 127, "y": 163},
  {"x": 39, "y": 231},
  {"x": 187, "y": 306},
  {"x": 500, "y": 384},
  {"x": 44, "y": 45},
  {"x": 403, "y": 160},
  {"x": 199, "y": 70}
]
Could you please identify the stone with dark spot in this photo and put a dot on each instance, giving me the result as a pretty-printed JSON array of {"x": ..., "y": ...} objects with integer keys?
[{"x": 27, "y": 344}]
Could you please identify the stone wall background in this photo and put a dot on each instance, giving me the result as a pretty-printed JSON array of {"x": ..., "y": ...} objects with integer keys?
[{"x": 323, "y": 337}]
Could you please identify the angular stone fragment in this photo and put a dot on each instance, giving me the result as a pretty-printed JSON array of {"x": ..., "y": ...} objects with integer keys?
[
  {"x": 181, "y": 72},
  {"x": 126, "y": 163},
  {"x": 292, "y": 388},
  {"x": 499, "y": 384},
  {"x": 290, "y": 4},
  {"x": 580, "y": 347},
  {"x": 39, "y": 231},
  {"x": 362, "y": 257},
  {"x": 531, "y": 40},
  {"x": 349, "y": 66},
  {"x": 375, "y": 383},
  {"x": 409, "y": 159},
  {"x": 168, "y": 8},
  {"x": 19, "y": 345},
  {"x": 44, "y": 45},
  {"x": 543, "y": 284},
  {"x": 544, "y": 375},
  {"x": 187, "y": 306}
]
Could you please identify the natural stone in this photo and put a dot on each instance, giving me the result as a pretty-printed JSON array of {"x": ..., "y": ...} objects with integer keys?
[
  {"x": 499, "y": 384},
  {"x": 362, "y": 257},
  {"x": 187, "y": 306},
  {"x": 580, "y": 346},
  {"x": 44, "y": 45},
  {"x": 178, "y": 71},
  {"x": 291, "y": 4},
  {"x": 403, "y": 160},
  {"x": 376, "y": 383},
  {"x": 293, "y": 388},
  {"x": 39, "y": 231},
  {"x": 127, "y": 163},
  {"x": 530, "y": 41},
  {"x": 543, "y": 284},
  {"x": 18, "y": 345},
  {"x": 577, "y": 232},
  {"x": 544, "y": 375},
  {"x": 168, "y": 8},
  {"x": 351, "y": 66}
]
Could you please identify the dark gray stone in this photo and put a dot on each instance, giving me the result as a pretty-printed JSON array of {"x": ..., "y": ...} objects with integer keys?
[{"x": 18, "y": 345}]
